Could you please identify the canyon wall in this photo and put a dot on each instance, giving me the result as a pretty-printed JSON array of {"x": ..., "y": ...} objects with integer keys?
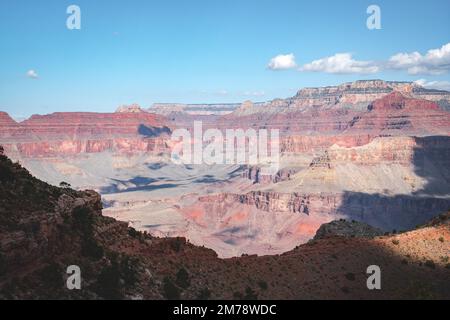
[
  {"x": 372, "y": 151},
  {"x": 70, "y": 134}
]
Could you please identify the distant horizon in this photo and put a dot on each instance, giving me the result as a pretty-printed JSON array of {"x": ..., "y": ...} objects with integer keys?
[{"x": 148, "y": 108}]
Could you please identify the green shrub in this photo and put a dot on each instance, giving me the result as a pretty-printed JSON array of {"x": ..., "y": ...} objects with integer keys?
[
  {"x": 91, "y": 248},
  {"x": 171, "y": 291},
  {"x": 64, "y": 184},
  {"x": 177, "y": 244},
  {"x": 133, "y": 233},
  {"x": 128, "y": 268},
  {"x": 83, "y": 221},
  {"x": 250, "y": 294},
  {"x": 6, "y": 174},
  {"x": 108, "y": 283},
  {"x": 430, "y": 264},
  {"x": 52, "y": 275},
  {"x": 183, "y": 280},
  {"x": 350, "y": 276},
  {"x": 2, "y": 264},
  {"x": 204, "y": 294},
  {"x": 263, "y": 285}
]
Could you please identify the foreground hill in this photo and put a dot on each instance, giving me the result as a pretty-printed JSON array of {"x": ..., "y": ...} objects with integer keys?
[{"x": 44, "y": 229}]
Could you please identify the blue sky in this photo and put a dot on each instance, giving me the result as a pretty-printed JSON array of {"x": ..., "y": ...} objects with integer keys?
[{"x": 203, "y": 50}]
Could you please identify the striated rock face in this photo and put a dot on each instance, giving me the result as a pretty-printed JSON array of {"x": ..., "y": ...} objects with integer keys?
[
  {"x": 390, "y": 183},
  {"x": 318, "y": 129},
  {"x": 354, "y": 96},
  {"x": 396, "y": 114},
  {"x": 270, "y": 222},
  {"x": 360, "y": 207},
  {"x": 73, "y": 124},
  {"x": 63, "y": 134},
  {"x": 77, "y": 147},
  {"x": 316, "y": 118},
  {"x": 254, "y": 173},
  {"x": 392, "y": 115},
  {"x": 6, "y": 120},
  {"x": 171, "y": 109},
  {"x": 348, "y": 115},
  {"x": 394, "y": 150},
  {"x": 359, "y": 93},
  {"x": 269, "y": 201},
  {"x": 8, "y": 127}
]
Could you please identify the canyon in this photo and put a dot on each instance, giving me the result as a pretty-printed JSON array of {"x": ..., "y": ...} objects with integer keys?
[
  {"x": 44, "y": 229},
  {"x": 376, "y": 152}
]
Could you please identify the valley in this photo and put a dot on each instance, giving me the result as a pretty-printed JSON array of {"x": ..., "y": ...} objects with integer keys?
[{"x": 375, "y": 151}]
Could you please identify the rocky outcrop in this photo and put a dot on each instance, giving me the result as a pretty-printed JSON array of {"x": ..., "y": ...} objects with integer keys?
[
  {"x": 254, "y": 173},
  {"x": 9, "y": 129},
  {"x": 347, "y": 229},
  {"x": 6, "y": 120},
  {"x": 133, "y": 108}
]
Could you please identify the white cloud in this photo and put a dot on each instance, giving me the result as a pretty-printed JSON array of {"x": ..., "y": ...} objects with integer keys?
[
  {"x": 438, "y": 85},
  {"x": 282, "y": 62},
  {"x": 341, "y": 63},
  {"x": 32, "y": 74},
  {"x": 254, "y": 93},
  {"x": 222, "y": 93},
  {"x": 435, "y": 61}
]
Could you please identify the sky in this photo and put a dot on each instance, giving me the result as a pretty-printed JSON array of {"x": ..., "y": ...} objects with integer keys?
[{"x": 209, "y": 51}]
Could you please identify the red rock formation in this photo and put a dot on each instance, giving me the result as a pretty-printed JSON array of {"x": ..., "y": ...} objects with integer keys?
[
  {"x": 313, "y": 120},
  {"x": 6, "y": 120},
  {"x": 75, "y": 124},
  {"x": 392, "y": 115},
  {"x": 61, "y": 134},
  {"x": 357, "y": 206},
  {"x": 133, "y": 108},
  {"x": 396, "y": 114}
]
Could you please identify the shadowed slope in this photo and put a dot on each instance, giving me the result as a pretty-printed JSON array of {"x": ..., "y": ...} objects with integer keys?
[{"x": 40, "y": 238}]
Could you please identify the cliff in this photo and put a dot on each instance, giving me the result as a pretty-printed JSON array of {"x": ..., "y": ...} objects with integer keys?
[{"x": 68, "y": 134}]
